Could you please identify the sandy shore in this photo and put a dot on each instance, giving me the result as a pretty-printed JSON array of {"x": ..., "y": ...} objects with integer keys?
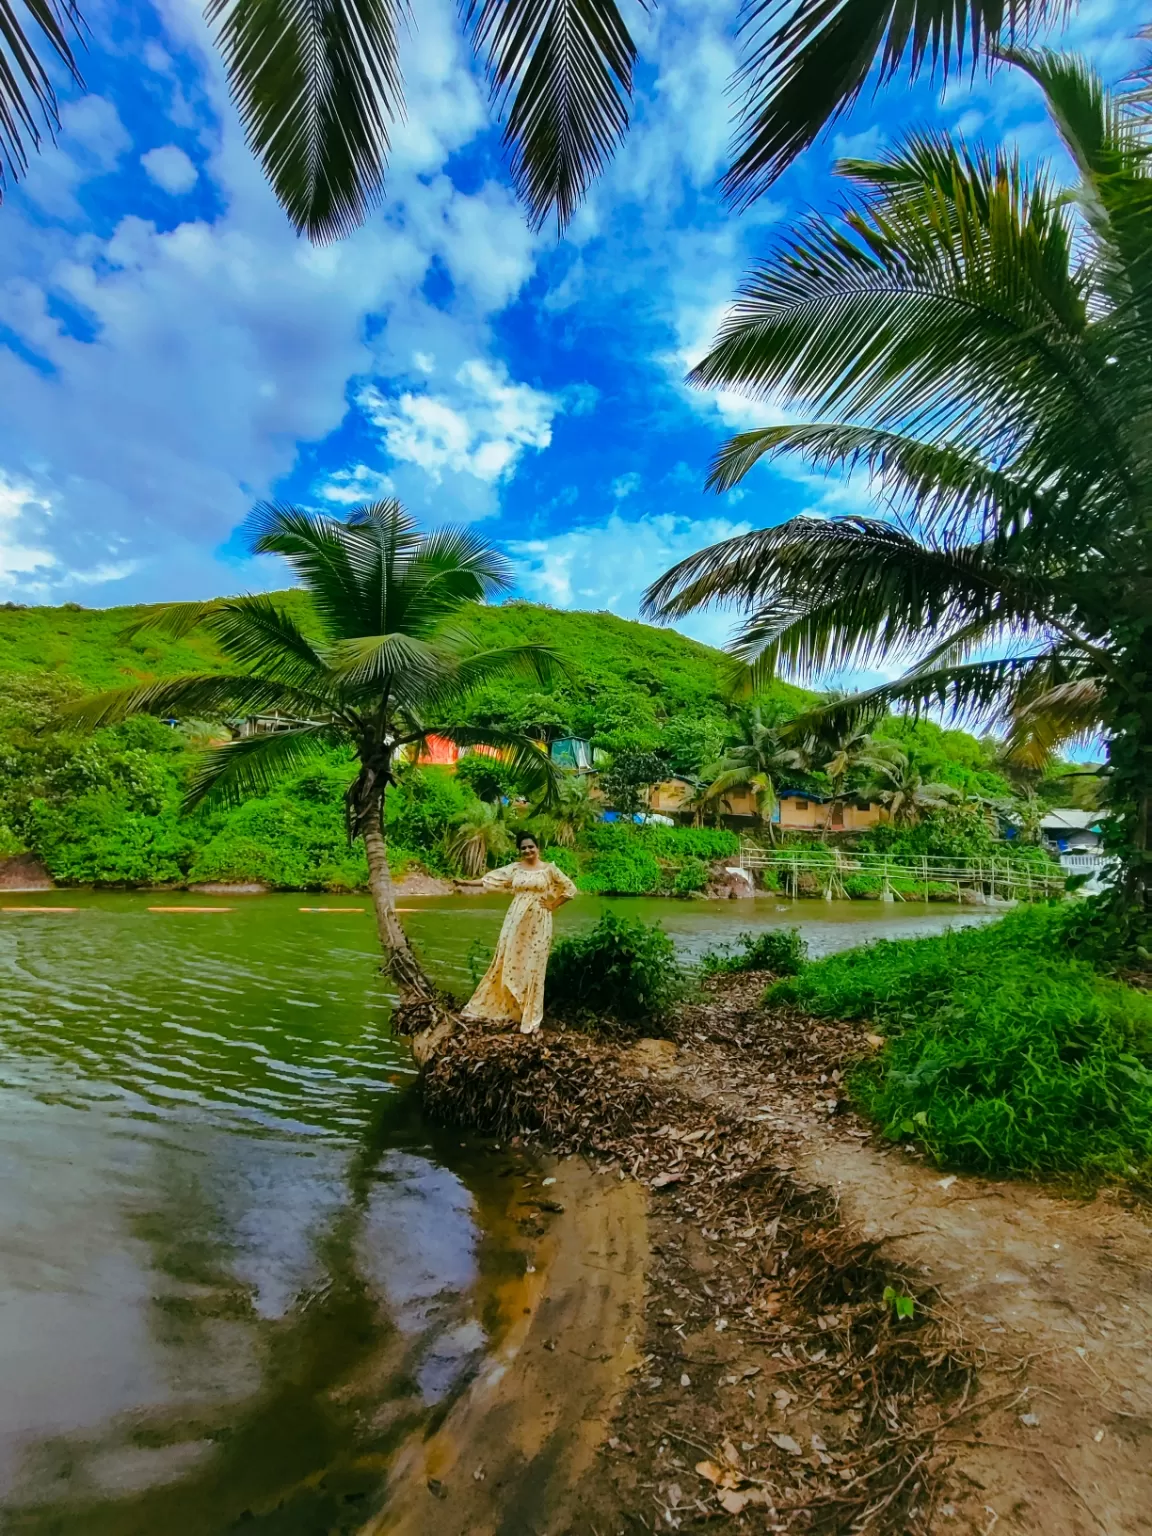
[{"x": 513, "y": 1452}]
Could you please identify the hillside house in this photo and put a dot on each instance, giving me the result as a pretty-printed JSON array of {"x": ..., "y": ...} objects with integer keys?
[{"x": 1073, "y": 831}]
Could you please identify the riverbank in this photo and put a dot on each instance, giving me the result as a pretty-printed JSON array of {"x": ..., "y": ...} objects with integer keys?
[{"x": 835, "y": 1336}]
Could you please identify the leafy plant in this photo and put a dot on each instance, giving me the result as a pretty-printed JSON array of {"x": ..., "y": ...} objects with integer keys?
[
  {"x": 480, "y": 837},
  {"x": 690, "y": 878},
  {"x": 780, "y": 950},
  {"x": 903, "y": 1306},
  {"x": 967, "y": 568},
  {"x": 1005, "y": 1053},
  {"x": 620, "y": 970}
]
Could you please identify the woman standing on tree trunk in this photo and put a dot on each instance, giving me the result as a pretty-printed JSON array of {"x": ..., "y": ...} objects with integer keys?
[{"x": 512, "y": 988}]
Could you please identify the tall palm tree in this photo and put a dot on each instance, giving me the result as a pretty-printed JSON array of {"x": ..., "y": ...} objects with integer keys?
[
  {"x": 755, "y": 762},
  {"x": 838, "y": 749},
  {"x": 980, "y": 341},
  {"x": 318, "y": 84},
  {"x": 899, "y": 786},
  {"x": 387, "y": 667}
]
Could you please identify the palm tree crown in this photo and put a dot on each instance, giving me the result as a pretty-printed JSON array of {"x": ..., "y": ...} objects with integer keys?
[
  {"x": 755, "y": 762},
  {"x": 980, "y": 341},
  {"x": 319, "y": 86},
  {"x": 389, "y": 665}
]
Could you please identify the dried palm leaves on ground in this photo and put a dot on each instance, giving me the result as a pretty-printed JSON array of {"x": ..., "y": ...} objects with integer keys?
[{"x": 792, "y": 1379}]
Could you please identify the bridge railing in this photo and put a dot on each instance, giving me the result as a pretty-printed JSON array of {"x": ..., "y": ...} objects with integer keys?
[{"x": 990, "y": 875}]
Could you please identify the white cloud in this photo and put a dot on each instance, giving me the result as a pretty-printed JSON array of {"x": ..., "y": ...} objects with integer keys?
[
  {"x": 19, "y": 503},
  {"x": 170, "y": 168},
  {"x": 624, "y": 485},
  {"x": 479, "y": 424},
  {"x": 608, "y": 565},
  {"x": 349, "y": 487},
  {"x": 164, "y": 378},
  {"x": 91, "y": 142}
]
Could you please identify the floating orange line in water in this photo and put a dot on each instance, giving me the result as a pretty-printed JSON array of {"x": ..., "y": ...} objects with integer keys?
[
  {"x": 39, "y": 909},
  {"x": 190, "y": 909}
]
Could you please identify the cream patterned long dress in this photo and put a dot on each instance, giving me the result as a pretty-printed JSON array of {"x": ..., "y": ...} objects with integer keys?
[{"x": 512, "y": 988}]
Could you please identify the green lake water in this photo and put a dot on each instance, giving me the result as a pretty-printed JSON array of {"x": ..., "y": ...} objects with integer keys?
[{"x": 235, "y": 1268}]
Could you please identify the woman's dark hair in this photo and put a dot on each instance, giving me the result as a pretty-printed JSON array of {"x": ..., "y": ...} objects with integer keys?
[{"x": 525, "y": 837}]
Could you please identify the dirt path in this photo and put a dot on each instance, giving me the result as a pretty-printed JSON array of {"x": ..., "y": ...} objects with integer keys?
[
  {"x": 775, "y": 1391},
  {"x": 1064, "y": 1286},
  {"x": 511, "y": 1452}
]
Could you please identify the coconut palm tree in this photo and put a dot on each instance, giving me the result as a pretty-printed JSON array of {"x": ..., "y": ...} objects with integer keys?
[
  {"x": 386, "y": 666},
  {"x": 755, "y": 762},
  {"x": 898, "y": 785},
  {"x": 980, "y": 341},
  {"x": 318, "y": 84},
  {"x": 479, "y": 835},
  {"x": 838, "y": 749},
  {"x": 572, "y": 812}
]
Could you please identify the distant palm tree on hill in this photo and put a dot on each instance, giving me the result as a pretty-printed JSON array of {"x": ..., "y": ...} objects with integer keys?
[
  {"x": 755, "y": 763},
  {"x": 980, "y": 340},
  {"x": 384, "y": 670},
  {"x": 899, "y": 786}
]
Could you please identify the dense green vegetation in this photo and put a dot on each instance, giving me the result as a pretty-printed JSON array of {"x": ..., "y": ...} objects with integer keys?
[
  {"x": 105, "y": 808},
  {"x": 780, "y": 950},
  {"x": 1005, "y": 1051}
]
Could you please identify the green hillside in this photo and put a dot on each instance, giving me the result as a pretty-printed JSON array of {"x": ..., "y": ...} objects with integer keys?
[
  {"x": 106, "y": 808},
  {"x": 611, "y": 656}
]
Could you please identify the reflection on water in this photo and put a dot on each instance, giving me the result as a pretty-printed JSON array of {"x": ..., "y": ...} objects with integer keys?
[{"x": 235, "y": 1268}]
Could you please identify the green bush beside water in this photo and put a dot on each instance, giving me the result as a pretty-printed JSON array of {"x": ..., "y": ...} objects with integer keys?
[
  {"x": 1005, "y": 1053},
  {"x": 620, "y": 970},
  {"x": 779, "y": 950}
]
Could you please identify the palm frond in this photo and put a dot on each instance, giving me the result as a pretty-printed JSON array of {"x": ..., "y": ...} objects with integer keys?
[
  {"x": 254, "y": 765},
  {"x": 402, "y": 666},
  {"x": 806, "y": 64},
  {"x": 195, "y": 698},
  {"x": 327, "y": 558},
  {"x": 27, "y": 98},
  {"x": 255, "y": 632},
  {"x": 176, "y": 620},
  {"x": 531, "y": 660},
  {"x": 848, "y": 592},
  {"x": 973, "y": 692},
  {"x": 317, "y": 84},
  {"x": 945, "y": 305},
  {"x": 529, "y": 762},
  {"x": 951, "y": 491},
  {"x": 1065, "y": 714},
  {"x": 564, "y": 69}
]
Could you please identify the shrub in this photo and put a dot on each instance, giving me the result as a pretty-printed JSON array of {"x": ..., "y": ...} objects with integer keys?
[
  {"x": 690, "y": 878},
  {"x": 779, "y": 950},
  {"x": 620, "y": 970},
  {"x": 564, "y": 860},
  {"x": 1006, "y": 1054},
  {"x": 624, "y": 872}
]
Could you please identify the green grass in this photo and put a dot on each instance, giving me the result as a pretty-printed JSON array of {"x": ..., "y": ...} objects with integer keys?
[{"x": 1005, "y": 1053}]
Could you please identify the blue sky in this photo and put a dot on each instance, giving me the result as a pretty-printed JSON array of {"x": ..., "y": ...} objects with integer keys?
[{"x": 171, "y": 352}]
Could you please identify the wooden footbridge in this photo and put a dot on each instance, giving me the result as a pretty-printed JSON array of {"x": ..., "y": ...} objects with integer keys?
[{"x": 837, "y": 874}]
